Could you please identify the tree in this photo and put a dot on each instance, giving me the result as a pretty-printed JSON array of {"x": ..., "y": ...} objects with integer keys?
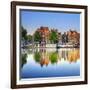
[
  {"x": 37, "y": 36},
  {"x": 53, "y": 36},
  {"x": 29, "y": 37},
  {"x": 24, "y": 37},
  {"x": 64, "y": 38},
  {"x": 24, "y": 32}
]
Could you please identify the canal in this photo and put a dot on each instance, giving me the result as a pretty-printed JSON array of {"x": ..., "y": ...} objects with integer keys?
[{"x": 50, "y": 62}]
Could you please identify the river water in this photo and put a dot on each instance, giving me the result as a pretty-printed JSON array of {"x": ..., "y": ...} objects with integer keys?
[{"x": 50, "y": 62}]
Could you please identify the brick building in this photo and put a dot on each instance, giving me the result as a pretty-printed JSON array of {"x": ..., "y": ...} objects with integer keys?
[
  {"x": 44, "y": 32},
  {"x": 73, "y": 37}
]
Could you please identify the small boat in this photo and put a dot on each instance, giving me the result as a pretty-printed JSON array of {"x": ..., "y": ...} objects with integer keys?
[{"x": 64, "y": 46}]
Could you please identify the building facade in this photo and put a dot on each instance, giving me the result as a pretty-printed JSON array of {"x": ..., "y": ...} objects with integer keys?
[{"x": 44, "y": 32}]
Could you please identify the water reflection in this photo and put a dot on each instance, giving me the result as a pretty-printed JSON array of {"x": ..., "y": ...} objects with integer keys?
[
  {"x": 46, "y": 56},
  {"x": 50, "y": 62},
  {"x": 71, "y": 55},
  {"x": 23, "y": 59}
]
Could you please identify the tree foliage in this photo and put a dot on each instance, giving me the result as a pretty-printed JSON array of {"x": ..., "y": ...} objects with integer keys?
[
  {"x": 29, "y": 37},
  {"x": 37, "y": 36},
  {"x": 23, "y": 33},
  {"x": 53, "y": 36}
]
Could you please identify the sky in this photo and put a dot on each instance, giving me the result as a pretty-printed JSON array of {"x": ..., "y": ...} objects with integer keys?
[{"x": 31, "y": 20}]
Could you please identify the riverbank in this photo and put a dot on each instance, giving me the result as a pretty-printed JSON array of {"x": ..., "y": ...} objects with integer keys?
[{"x": 50, "y": 46}]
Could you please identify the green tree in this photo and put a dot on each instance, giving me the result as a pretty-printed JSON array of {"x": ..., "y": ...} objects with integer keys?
[
  {"x": 37, "y": 36},
  {"x": 53, "y": 36},
  {"x": 29, "y": 37},
  {"x": 23, "y": 33},
  {"x": 24, "y": 37}
]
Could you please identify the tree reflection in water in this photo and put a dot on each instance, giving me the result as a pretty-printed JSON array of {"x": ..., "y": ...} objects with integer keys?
[
  {"x": 23, "y": 59},
  {"x": 44, "y": 56},
  {"x": 53, "y": 57},
  {"x": 37, "y": 56}
]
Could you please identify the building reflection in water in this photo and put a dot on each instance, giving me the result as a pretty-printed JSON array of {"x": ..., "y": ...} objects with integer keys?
[
  {"x": 71, "y": 55},
  {"x": 42, "y": 56},
  {"x": 46, "y": 56},
  {"x": 51, "y": 57}
]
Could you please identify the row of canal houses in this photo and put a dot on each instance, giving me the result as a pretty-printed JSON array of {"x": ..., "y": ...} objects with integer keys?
[{"x": 70, "y": 37}]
